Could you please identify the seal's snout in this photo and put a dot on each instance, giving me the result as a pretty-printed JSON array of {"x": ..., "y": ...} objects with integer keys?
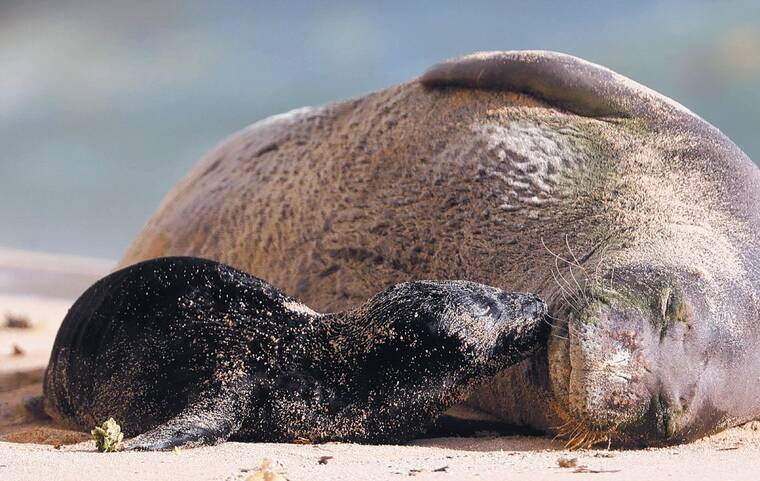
[
  {"x": 610, "y": 377},
  {"x": 522, "y": 323},
  {"x": 533, "y": 309},
  {"x": 665, "y": 411},
  {"x": 513, "y": 310},
  {"x": 637, "y": 363},
  {"x": 484, "y": 321},
  {"x": 495, "y": 305},
  {"x": 491, "y": 323}
]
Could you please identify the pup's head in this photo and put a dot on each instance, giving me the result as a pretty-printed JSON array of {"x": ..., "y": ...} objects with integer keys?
[{"x": 457, "y": 326}]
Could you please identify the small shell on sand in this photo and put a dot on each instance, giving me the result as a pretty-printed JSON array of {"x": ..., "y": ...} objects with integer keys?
[{"x": 265, "y": 473}]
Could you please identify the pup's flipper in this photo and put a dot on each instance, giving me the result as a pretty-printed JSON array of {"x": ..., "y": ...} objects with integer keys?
[{"x": 210, "y": 420}]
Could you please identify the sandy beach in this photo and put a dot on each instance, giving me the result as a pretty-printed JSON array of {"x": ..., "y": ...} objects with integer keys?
[{"x": 40, "y": 288}]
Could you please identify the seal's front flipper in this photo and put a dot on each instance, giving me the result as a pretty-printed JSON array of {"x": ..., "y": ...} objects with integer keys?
[{"x": 211, "y": 420}]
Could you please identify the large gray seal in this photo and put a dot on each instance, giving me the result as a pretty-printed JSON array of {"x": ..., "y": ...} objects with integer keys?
[{"x": 531, "y": 171}]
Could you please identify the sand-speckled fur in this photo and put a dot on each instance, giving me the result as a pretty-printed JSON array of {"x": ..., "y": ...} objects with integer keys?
[{"x": 184, "y": 351}]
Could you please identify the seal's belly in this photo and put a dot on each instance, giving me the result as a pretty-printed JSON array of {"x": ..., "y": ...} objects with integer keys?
[{"x": 515, "y": 396}]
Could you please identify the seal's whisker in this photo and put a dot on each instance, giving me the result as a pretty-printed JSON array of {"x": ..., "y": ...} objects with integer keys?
[
  {"x": 565, "y": 298},
  {"x": 602, "y": 259},
  {"x": 577, "y": 442},
  {"x": 571, "y": 443},
  {"x": 557, "y": 323},
  {"x": 570, "y": 266},
  {"x": 564, "y": 290},
  {"x": 570, "y": 298},
  {"x": 579, "y": 298},
  {"x": 581, "y": 290},
  {"x": 558, "y": 336},
  {"x": 579, "y": 295},
  {"x": 570, "y": 434},
  {"x": 574, "y": 432},
  {"x": 563, "y": 426},
  {"x": 583, "y": 440},
  {"x": 564, "y": 295},
  {"x": 577, "y": 264},
  {"x": 577, "y": 431},
  {"x": 557, "y": 256}
]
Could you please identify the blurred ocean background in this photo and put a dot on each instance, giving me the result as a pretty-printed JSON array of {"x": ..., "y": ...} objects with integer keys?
[{"x": 104, "y": 106}]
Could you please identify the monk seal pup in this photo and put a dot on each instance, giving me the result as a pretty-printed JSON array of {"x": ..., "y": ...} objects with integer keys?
[
  {"x": 185, "y": 351},
  {"x": 636, "y": 220}
]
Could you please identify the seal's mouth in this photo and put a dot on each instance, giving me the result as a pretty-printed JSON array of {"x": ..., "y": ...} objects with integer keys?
[{"x": 578, "y": 433}]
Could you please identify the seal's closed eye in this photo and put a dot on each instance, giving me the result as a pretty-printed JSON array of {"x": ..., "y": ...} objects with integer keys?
[{"x": 185, "y": 351}]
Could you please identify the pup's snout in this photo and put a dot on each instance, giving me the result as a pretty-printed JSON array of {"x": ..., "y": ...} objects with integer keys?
[
  {"x": 533, "y": 309},
  {"x": 523, "y": 326}
]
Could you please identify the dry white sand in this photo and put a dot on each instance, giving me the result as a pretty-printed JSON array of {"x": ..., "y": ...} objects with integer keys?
[{"x": 31, "y": 449}]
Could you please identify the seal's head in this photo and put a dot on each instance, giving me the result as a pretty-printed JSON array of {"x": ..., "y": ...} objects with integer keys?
[
  {"x": 655, "y": 306},
  {"x": 456, "y": 329},
  {"x": 655, "y": 355}
]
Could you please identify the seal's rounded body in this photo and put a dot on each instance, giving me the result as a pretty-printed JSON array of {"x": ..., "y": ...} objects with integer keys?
[
  {"x": 185, "y": 351},
  {"x": 531, "y": 171}
]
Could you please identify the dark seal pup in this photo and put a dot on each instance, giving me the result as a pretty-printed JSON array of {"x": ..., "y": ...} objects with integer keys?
[
  {"x": 637, "y": 221},
  {"x": 185, "y": 351}
]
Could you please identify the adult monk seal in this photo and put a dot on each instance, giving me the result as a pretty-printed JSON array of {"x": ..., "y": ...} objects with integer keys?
[
  {"x": 538, "y": 172},
  {"x": 185, "y": 351}
]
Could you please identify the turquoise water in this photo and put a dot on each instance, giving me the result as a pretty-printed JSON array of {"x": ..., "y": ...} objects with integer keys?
[{"x": 104, "y": 106}]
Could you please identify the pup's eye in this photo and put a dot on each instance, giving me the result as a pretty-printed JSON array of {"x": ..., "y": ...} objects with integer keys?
[{"x": 485, "y": 306}]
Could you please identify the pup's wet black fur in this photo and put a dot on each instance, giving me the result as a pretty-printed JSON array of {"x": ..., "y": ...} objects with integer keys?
[{"x": 184, "y": 351}]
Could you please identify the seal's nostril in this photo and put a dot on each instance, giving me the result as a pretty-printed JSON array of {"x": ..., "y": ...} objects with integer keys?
[{"x": 531, "y": 310}]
